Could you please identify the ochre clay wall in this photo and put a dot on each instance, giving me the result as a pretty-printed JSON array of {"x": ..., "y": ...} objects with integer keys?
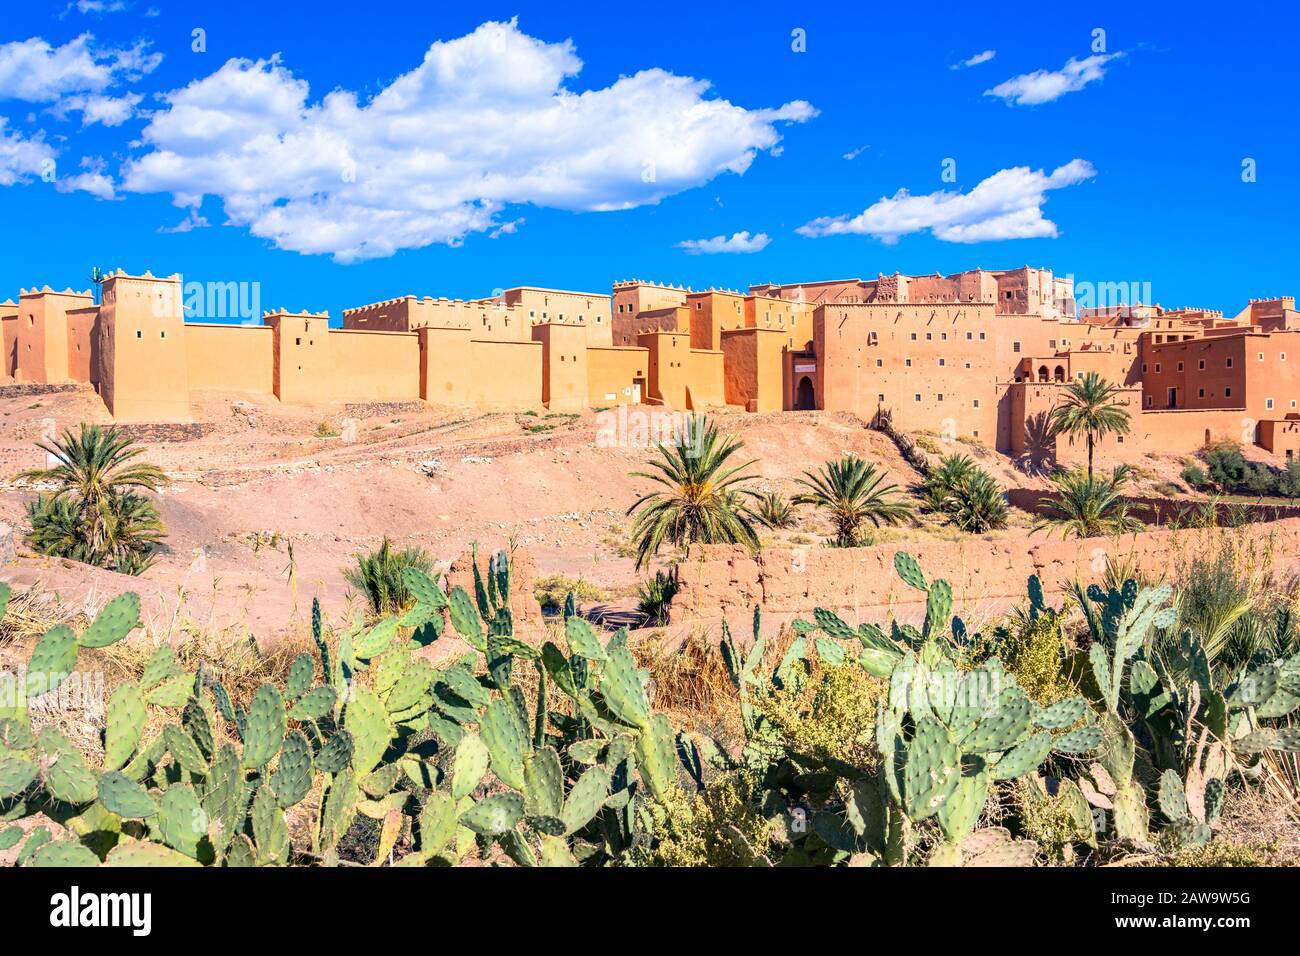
[
  {"x": 525, "y": 610},
  {"x": 303, "y": 367},
  {"x": 612, "y": 373},
  {"x": 668, "y": 374},
  {"x": 564, "y": 365},
  {"x": 707, "y": 383},
  {"x": 374, "y": 366},
  {"x": 238, "y": 358},
  {"x": 723, "y": 580},
  {"x": 754, "y": 368},
  {"x": 144, "y": 375},
  {"x": 445, "y": 366},
  {"x": 83, "y": 344},
  {"x": 505, "y": 375}
]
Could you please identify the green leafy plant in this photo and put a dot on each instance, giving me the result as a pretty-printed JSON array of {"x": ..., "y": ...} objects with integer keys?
[
  {"x": 379, "y": 575},
  {"x": 97, "y": 513},
  {"x": 966, "y": 494},
  {"x": 1088, "y": 408},
  {"x": 853, "y": 494},
  {"x": 704, "y": 500},
  {"x": 1086, "y": 506},
  {"x": 655, "y": 596},
  {"x": 774, "y": 511}
]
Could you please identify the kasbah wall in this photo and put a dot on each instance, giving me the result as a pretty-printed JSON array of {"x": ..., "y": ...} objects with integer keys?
[
  {"x": 979, "y": 355},
  {"x": 725, "y": 581}
]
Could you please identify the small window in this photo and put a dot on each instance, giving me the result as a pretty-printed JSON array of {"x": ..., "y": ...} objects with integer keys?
[
  {"x": 941, "y": 361},
  {"x": 969, "y": 336},
  {"x": 1180, "y": 366},
  {"x": 880, "y": 398},
  {"x": 1148, "y": 401},
  {"x": 907, "y": 362},
  {"x": 1200, "y": 393},
  {"x": 1261, "y": 356},
  {"x": 982, "y": 339},
  {"x": 880, "y": 363},
  {"x": 1201, "y": 365},
  {"x": 1227, "y": 392},
  {"x": 975, "y": 403},
  {"x": 929, "y": 336},
  {"x": 1015, "y": 346},
  {"x": 913, "y": 336},
  {"x": 918, "y": 396},
  {"x": 943, "y": 336},
  {"x": 1144, "y": 367},
  {"x": 1268, "y": 403},
  {"x": 297, "y": 341},
  {"x": 139, "y": 334},
  {"x": 939, "y": 396},
  {"x": 1228, "y": 362},
  {"x": 1157, "y": 366}
]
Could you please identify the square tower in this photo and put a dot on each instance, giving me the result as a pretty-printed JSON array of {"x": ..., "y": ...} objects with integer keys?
[{"x": 143, "y": 375}]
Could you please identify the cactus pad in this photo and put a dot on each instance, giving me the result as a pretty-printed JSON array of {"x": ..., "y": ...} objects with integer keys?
[
  {"x": 292, "y": 777},
  {"x": 52, "y": 660},
  {"x": 495, "y": 814},
  {"x": 123, "y": 796},
  {"x": 117, "y": 619},
  {"x": 264, "y": 727},
  {"x": 367, "y": 721}
]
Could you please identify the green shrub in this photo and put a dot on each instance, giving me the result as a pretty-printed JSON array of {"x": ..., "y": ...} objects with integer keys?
[
  {"x": 655, "y": 596},
  {"x": 1194, "y": 475},
  {"x": 552, "y": 590},
  {"x": 703, "y": 830},
  {"x": 98, "y": 513},
  {"x": 966, "y": 494},
  {"x": 774, "y": 511},
  {"x": 378, "y": 575}
]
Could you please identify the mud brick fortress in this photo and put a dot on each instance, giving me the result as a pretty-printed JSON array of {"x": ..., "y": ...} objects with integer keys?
[{"x": 979, "y": 355}]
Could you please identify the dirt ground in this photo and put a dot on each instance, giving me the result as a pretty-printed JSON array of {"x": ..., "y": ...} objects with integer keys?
[{"x": 262, "y": 515}]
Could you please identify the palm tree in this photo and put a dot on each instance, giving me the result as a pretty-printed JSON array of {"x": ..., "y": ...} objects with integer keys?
[
  {"x": 704, "y": 500},
  {"x": 1088, "y": 408},
  {"x": 378, "y": 575},
  {"x": 775, "y": 511},
  {"x": 952, "y": 472},
  {"x": 1088, "y": 506},
  {"x": 850, "y": 490},
  {"x": 96, "y": 499},
  {"x": 978, "y": 505}
]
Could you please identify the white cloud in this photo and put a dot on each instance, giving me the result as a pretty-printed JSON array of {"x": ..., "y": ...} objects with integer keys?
[
  {"x": 484, "y": 122},
  {"x": 22, "y": 157},
  {"x": 1006, "y": 205},
  {"x": 191, "y": 222},
  {"x": 975, "y": 60},
  {"x": 506, "y": 228},
  {"x": 855, "y": 153},
  {"x": 93, "y": 180},
  {"x": 1044, "y": 86},
  {"x": 740, "y": 242},
  {"x": 74, "y": 77},
  {"x": 98, "y": 7}
]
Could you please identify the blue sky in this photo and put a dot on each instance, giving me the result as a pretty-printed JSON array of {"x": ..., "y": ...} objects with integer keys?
[{"x": 332, "y": 182}]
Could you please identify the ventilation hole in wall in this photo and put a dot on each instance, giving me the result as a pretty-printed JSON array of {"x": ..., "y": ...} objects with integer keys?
[{"x": 139, "y": 334}]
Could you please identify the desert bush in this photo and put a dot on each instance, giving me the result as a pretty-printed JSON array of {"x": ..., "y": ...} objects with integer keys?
[
  {"x": 774, "y": 511},
  {"x": 98, "y": 512},
  {"x": 1087, "y": 506},
  {"x": 1194, "y": 475},
  {"x": 380, "y": 576},
  {"x": 704, "y": 500},
  {"x": 853, "y": 494},
  {"x": 552, "y": 591},
  {"x": 325, "y": 429},
  {"x": 655, "y": 596},
  {"x": 966, "y": 495}
]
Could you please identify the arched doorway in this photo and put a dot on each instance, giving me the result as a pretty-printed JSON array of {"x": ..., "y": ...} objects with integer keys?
[
  {"x": 1042, "y": 373},
  {"x": 805, "y": 398},
  {"x": 1059, "y": 374}
]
